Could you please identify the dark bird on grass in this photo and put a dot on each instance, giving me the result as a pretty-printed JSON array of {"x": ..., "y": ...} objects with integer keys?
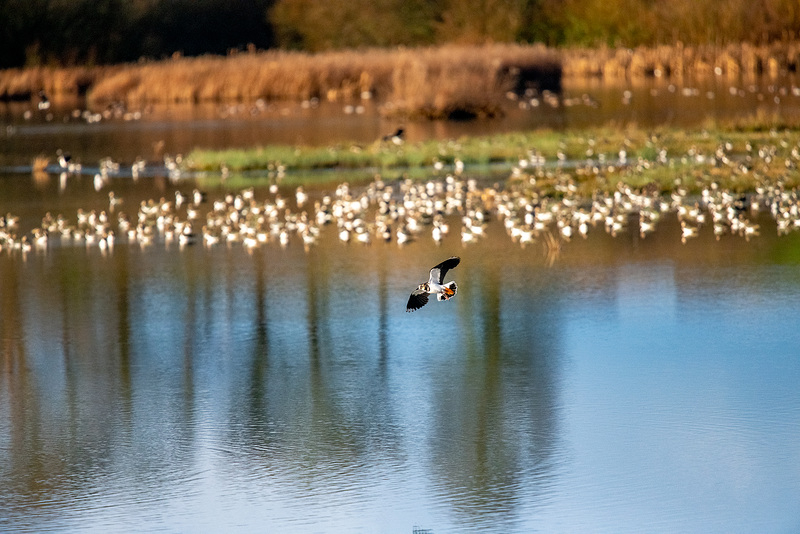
[
  {"x": 434, "y": 286},
  {"x": 397, "y": 137}
]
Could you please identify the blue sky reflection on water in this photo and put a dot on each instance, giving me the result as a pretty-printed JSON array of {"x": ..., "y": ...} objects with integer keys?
[
  {"x": 208, "y": 390},
  {"x": 680, "y": 387}
]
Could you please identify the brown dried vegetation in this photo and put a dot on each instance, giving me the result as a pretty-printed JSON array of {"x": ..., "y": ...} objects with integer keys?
[
  {"x": 681, "y": 61},
  {"x": 432, "y": 82},
  {"x": 435, "y": 82}
]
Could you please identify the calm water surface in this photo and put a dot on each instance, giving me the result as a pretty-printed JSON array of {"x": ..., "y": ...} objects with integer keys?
[
  {"x": 179, "y": 129},
  {"x": 631, "y": 386}
]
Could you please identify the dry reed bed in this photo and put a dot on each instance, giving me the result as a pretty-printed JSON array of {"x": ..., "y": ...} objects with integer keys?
[
  {"x": 441, "y": 82},
  {"x": 681, "y": 61},
  {"x": 433, "y": 82},
  {"x": 22, "y": 84}
]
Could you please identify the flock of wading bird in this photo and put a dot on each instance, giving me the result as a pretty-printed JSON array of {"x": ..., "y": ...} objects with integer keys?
[{"x": 539, "y": 201}]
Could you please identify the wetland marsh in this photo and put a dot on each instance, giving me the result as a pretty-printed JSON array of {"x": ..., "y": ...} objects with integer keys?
[{"x": 259, "y": 371}]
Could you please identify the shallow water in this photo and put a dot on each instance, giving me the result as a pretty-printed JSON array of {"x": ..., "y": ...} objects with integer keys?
[
  {"x": 179, "y": 129},
  {"x": 630, "y": 385}
]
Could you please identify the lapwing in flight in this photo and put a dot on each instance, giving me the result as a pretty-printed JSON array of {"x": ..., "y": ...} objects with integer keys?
[{"x": 434, "y": 286}]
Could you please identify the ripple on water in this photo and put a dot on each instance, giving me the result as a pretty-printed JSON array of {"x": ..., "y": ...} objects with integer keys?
[
  {"x": 99, "y": 499},
  {"x": 302, "y": 478}
]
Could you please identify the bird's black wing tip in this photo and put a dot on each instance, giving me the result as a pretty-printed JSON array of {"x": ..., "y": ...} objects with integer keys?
[
  {"x": 450, "y": 262},
  {"x": 438, "y": 272},
  {"x": 416, "y": 301}
]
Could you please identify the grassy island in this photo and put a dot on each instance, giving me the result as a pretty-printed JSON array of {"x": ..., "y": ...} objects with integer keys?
[{"x": 740, "y": 157}]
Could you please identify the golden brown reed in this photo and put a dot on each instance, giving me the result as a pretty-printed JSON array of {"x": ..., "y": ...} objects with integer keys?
[
  {"x": 433, "y": 82},
  {"x": 273, "y": 75},
  {"x": 55, "y": 82},
  {"x": 463, "y": 82},
  {"x": 680, "y": 61}
]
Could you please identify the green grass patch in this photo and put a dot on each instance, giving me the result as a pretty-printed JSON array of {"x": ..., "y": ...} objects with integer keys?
[
  {"x": 505, "y": 148},
  {"x": 602, "y": 144},
  {"x": 738, "y": 159}
]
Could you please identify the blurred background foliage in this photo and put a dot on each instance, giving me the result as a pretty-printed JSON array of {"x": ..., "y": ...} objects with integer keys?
[{"x": 88, "y": 32}]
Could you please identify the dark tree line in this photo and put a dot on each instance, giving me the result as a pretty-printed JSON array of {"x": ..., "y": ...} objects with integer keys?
[{"x": 70, "y": 32}]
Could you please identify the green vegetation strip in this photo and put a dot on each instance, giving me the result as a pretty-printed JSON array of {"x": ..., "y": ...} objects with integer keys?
[{"x": 600, "y": 145}]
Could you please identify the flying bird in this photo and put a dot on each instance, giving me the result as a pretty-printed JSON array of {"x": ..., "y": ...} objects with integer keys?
[{"x": 434, "y": 286}]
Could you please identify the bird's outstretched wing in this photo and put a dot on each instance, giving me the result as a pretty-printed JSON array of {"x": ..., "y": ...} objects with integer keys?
[
  {"x": 418, "y": 299},
  {"x": 438, "y": 273}
]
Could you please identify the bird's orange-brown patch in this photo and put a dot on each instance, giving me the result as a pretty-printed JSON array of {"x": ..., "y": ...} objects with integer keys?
[{"x": 449, "y": 292}]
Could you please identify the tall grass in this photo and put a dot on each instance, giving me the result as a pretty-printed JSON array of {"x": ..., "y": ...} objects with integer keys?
[
  {"x": 18, "y": 84},
  {"x": 465, "y": 82},
  {"x": 433, "y": 82},
  {"x": 681, "y": 61}
]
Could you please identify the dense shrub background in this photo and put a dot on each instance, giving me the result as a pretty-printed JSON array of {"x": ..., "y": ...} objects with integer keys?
[{"x": 73, "y": 32}]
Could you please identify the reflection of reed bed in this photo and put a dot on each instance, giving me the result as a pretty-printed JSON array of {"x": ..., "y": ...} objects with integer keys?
[
  {"x": 432, "y": 82},
  {"x": 683, "y": 61}
]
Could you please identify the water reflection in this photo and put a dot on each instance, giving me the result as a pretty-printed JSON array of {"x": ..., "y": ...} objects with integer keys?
[
  {"x": 496, "y": 410},
  {"x": 212, "y": 388}
]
